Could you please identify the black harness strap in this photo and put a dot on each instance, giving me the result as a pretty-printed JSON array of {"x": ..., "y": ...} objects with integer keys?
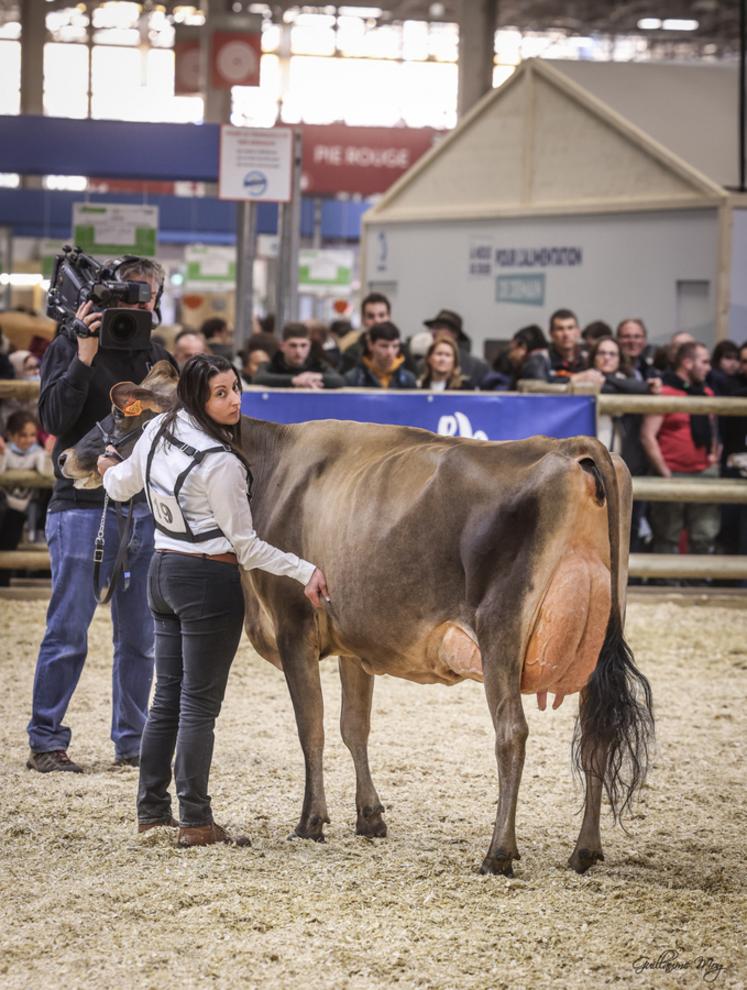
[
  {"x": 103, "y": 593},
  {"x": 197, "y": 456}
]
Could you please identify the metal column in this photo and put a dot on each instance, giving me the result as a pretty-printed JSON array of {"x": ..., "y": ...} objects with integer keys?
[
  {"x": 289, "y": 231},
  {"x": 246, "y": 237}
]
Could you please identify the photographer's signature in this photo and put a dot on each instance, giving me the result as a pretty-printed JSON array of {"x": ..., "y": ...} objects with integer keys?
[{"x": 670, "y": 962}]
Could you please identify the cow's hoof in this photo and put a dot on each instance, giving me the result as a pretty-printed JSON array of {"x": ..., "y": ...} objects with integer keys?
[
  {"x": 310, "y": 828},
  {"x": 370, "y": 823},
  {"x": 316, "y": 837},
  {"x": 582, "y": 859},
  {"x": 499, "y": 865}
]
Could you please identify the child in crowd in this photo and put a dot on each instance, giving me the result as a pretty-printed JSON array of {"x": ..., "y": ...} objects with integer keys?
[{"x": 21, "y": 453}]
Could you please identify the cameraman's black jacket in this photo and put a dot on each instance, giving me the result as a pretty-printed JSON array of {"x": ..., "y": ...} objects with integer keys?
[{"x": 74, "y": 397}]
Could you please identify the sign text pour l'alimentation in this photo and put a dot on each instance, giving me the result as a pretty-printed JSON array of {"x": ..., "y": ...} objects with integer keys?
[{"x": 542, "y": 257}]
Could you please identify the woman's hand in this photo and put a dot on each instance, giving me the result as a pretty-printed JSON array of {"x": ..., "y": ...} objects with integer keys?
[
  {"x": 654, "y": 386},
  {"x": 316, "y": 587},
  {"x": 110, "y": 459}
]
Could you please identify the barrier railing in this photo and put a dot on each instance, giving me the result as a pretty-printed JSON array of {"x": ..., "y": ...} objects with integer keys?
[
  {"x": 650, "y": 489},
  {"x": 23, "y": 560},
  {"x": 11, "y": 388},
  {"x": 654, "y": 489}
]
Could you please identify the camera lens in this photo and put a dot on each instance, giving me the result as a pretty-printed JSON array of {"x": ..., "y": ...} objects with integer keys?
[{"x": 121, "y": 327}]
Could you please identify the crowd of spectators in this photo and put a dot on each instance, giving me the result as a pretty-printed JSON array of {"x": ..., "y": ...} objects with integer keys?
[{"x": 438, "y": 357}]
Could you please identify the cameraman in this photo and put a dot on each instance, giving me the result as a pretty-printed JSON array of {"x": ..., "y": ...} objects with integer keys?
[{"x": 76, "y": 377}]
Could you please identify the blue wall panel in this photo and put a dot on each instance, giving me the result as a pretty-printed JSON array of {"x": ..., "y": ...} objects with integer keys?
[
  {"x": 124, "y": 150},
  {"x": 109, "y": 149}
]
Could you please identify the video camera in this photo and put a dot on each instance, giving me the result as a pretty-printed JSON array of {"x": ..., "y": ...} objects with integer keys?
[{"x": 77, "y": 277}]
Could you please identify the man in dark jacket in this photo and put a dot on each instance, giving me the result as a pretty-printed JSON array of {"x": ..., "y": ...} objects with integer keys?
[
  {"x": 76, "y": 377},
  {"x": 447, "y": 321},
  {"x": 293, "y": 365},
  {"x": 383, "y": 366}
]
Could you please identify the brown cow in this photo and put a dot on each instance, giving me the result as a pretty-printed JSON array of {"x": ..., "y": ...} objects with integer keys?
[{"x": 446, "y": 559}]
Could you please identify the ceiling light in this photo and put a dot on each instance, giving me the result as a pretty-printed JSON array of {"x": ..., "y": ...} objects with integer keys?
[
  {"x": 679, "y": 24},
  {"x": 649, "y": 24}
]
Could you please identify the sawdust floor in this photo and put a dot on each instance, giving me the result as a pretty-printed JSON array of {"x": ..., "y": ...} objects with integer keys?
[{"x": 88, "y": 903}]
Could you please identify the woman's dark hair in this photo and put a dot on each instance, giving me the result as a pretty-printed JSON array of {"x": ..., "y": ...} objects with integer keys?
[
  {"x": 623, "y": 366},
  {"x": 193, "y": 391},
  {"x": 17, "y": 420},
  {"x": 595, "y": 330},
  {"x": 724, "y": 349},
  {"x": 531, "y": 337}
]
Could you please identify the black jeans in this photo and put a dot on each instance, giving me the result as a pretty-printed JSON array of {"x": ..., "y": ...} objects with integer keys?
[{"x": 198, "y": 608}]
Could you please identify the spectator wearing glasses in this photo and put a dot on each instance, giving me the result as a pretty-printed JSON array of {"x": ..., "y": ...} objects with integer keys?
[{"x": 632, "y": 337}]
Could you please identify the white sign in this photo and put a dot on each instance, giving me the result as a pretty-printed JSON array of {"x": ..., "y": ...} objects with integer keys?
[{"x": 255, "y": 164}]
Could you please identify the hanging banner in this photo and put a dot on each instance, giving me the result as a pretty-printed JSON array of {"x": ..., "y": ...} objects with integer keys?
[
  {"x": 363, "y": 160},
  {"x": 186, "y": 60},
  {"x": 113, "y": 229},
  {"x": 486, "y": 416}
]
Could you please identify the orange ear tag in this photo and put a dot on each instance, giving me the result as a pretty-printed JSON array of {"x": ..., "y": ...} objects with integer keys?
[{"x": 134, "y": 408}]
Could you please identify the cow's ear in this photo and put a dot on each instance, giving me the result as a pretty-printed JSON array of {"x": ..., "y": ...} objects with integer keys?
[
  {"x": 132, "y": 399},
  {"x": 163, "y": 373}
]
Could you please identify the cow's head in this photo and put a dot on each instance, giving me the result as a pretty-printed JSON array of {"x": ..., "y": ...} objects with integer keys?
[{"x": 132, "y": 406}]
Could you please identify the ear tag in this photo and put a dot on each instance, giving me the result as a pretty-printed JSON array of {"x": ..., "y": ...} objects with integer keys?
[{"x": 134, "y": 408}]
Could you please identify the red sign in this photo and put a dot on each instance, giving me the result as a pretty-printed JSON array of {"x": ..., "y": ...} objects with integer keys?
[
  {"x": 234, "y": 59},
  {"x": 186, "y": 67},
  {"x": 365, "y": 160}
]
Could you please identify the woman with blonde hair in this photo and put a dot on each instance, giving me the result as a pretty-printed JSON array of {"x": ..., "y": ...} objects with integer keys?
[{"x": 442, "y": 371}]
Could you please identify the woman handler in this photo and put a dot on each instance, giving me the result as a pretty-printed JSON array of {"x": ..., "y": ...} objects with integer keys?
[{"x": 197, "y": 482}]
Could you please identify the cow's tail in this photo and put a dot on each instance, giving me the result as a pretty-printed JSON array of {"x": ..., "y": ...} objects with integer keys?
[{"x": 615, "y": 726}]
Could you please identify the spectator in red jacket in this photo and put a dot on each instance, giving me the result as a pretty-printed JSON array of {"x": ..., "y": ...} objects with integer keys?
[{"x": 682, "y": 444}]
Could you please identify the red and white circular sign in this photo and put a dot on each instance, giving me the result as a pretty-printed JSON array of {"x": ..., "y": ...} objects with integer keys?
[{"x": 235, "y": 59}]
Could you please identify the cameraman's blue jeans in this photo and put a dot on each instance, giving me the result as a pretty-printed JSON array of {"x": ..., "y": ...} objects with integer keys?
[{"x": 70, "y": 537}]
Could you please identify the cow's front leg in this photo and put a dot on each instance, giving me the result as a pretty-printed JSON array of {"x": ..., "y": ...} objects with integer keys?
[
  {"x": 301, "y": 669},
  {"x": 355, "y": 725},
  {"x": 511, "y": 733}
]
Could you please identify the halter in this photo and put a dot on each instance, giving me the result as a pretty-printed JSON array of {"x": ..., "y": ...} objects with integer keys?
[{"x": 103, "y": 593}]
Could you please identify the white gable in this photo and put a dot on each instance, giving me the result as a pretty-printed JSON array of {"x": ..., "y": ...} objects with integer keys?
[{"x": 542, "y": 142}]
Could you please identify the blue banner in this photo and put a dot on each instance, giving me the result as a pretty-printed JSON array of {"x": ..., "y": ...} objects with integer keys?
[{"x": 483, "y": 415}]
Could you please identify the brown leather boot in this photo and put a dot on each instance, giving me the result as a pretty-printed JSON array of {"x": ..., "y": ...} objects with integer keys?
[
  {"x": 207, "y": 835},
  {"x": 167, "y": 822}
]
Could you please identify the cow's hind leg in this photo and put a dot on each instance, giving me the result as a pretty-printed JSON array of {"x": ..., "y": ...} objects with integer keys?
[
  {"x": 355, "y": 724},
  {"x": 588, "y": 849},
  {"x": 301, "y": 668},
  {"x": 511, "y": 731}
]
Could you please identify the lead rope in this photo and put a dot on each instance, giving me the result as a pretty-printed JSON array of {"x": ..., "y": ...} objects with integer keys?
[{"x": 104, "y": 594}]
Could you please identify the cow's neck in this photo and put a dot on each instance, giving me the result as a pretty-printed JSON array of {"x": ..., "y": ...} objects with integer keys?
[{"x": 260, "y": 441}]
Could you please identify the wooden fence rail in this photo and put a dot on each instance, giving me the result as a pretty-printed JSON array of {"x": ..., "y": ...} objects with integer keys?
[
  {"x": 11, "y": 388},
  {"x": 25, "y": 479}
]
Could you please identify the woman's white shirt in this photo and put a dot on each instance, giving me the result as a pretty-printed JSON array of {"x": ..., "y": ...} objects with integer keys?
[{"x": 214, "y": 495}]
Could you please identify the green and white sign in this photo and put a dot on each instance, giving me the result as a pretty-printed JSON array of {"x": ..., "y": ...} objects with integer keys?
[
  {"x": 328, "y": 268},
  {"x": 209, "y": 268},
  {"x": 113, "y": 229}
]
